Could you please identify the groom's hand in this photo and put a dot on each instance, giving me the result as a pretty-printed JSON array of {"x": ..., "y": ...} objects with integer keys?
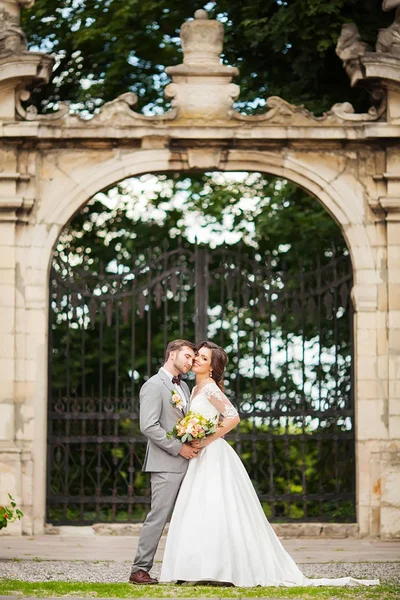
[
  {"x": 199, "y": 444},
  {"x": 188, "y": 452}
]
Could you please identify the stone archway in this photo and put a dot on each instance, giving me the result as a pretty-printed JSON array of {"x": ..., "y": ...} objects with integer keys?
[
  {"x": 149, "y": 161},
  {"x": 306, "y": 171},
  {"x": 54, "y": 164}
]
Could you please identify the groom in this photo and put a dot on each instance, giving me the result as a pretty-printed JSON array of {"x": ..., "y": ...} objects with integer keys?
[{"x": 166, "y": 459}]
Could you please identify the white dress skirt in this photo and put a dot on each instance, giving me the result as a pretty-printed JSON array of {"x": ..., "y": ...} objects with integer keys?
[{"x": 218, "y": 531}]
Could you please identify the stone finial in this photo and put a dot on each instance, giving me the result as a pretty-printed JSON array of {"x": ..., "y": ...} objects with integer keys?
[
  {"x": 202, "y": 40},
  {"x": 201, "y": 14},
  {"x": 201, "y": 89}
]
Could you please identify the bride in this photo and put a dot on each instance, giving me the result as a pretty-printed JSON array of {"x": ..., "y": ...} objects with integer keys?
[{"x": 218, "y": 531}]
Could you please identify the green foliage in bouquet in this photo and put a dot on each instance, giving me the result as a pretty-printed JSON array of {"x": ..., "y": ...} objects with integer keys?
[{"x": 9, "y": 515}]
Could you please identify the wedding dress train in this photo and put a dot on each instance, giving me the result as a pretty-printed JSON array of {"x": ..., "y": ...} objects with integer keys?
[{"x": 218, "y": 531}]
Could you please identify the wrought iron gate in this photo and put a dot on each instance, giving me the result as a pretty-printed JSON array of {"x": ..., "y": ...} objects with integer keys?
[{"x": 289, "y": 340}]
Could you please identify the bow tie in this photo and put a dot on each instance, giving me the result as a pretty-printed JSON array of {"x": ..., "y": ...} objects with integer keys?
[{"x": 176, "y": 379}]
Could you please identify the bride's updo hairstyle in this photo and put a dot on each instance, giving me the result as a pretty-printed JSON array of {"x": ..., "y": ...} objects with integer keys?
[{"x": 219, "y": 359}]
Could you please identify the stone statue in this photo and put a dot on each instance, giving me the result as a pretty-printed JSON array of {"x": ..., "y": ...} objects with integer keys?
[
  {"x": 349, "y": 45},
  {"x": 388, "y": 40},
  {"x": 12, "y": 38}
]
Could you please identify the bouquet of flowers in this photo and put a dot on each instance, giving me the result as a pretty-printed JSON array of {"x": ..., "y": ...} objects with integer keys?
[{"x": 192, "y": 427}]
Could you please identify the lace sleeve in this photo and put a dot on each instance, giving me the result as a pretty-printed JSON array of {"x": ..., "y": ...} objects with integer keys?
[{"x": 220, "y": 401}]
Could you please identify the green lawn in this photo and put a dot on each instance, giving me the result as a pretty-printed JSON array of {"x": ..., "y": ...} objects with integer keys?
[{"x": 124, "y": 590}]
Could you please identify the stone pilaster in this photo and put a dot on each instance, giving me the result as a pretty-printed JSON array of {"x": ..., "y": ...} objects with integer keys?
[
  {"x": 390, "y": 485},
  {"x": 381, "y": 456},
  {"x": 17, "y": 192},
  {"x": 10, "y": 465},
  {"x": 370, "y": 356}
]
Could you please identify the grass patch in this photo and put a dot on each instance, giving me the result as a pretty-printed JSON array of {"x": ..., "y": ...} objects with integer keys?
[{"x": 125, "y": 590}]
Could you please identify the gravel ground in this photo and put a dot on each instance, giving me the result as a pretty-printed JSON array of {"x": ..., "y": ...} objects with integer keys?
[{"x": 114, "y": 572}]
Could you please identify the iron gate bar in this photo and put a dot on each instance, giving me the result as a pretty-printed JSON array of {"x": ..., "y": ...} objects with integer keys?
[{"x": 201, "y": 291}]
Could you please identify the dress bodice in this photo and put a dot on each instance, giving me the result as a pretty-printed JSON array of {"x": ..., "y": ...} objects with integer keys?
[
  {"x": 210, "y": 402},
  {"x": 201, "y": 404}
]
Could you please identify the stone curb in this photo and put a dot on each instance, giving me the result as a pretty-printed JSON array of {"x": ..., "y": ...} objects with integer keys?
[{"x": 283, "y": 530}]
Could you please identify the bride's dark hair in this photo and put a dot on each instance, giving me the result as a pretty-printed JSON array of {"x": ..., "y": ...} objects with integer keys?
[{"x": 219, "y": 359}]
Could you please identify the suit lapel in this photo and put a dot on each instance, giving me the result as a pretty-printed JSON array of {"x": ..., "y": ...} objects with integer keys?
[
  {"x": 186, "y": 391},
  {"x": 166, "y": 380},
  {"x": 170, "y": 386}
]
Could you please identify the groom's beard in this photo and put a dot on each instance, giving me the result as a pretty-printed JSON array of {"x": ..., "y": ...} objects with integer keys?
[{"x": 181, "y": 368}]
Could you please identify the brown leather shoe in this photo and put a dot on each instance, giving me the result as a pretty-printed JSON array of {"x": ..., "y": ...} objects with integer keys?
[{"x": 141, "y": 578}]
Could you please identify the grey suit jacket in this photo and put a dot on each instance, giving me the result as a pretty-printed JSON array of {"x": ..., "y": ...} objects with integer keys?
[{"x": 157, "y": 417}]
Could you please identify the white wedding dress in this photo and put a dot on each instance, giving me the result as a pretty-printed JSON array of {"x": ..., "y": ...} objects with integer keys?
[{"x": 218, "y": 531}]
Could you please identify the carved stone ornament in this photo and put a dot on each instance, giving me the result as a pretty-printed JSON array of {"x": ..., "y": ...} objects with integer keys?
[
  {"x": 201, "y": 91},
  {"x": 12, "y": 38},
  {"x": 31, "y": 112},
  {"x": 388, "y": 5},
  {"x": 346, "y": 112},
  {"x": 284, "y": 113},
  {"x": 350, "y": 45},
  {"x": 380, "y": 69},
  {"x": 119, "y": 112},
  {"x": 388, "y": 40},
  {"x": 19, "y": 68},
  {"x": 350, "y": 48}
]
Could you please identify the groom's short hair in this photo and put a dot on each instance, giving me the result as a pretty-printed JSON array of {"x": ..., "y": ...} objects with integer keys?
[{"x": 177, "y": 345}]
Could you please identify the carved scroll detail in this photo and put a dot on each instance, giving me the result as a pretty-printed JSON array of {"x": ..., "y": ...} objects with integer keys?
[
  {"x": 346, "y": 112},
  {"x": 121, "y": 111},
  {"x": 282, "y": 112},
  {"x": 31, "y": 112}
]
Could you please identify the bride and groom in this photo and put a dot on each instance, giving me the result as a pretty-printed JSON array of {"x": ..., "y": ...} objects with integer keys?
[{"x": 218, "y": 530}]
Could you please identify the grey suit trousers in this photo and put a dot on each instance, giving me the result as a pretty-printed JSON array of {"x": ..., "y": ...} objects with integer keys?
[{"x": 164, "y": 490}]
